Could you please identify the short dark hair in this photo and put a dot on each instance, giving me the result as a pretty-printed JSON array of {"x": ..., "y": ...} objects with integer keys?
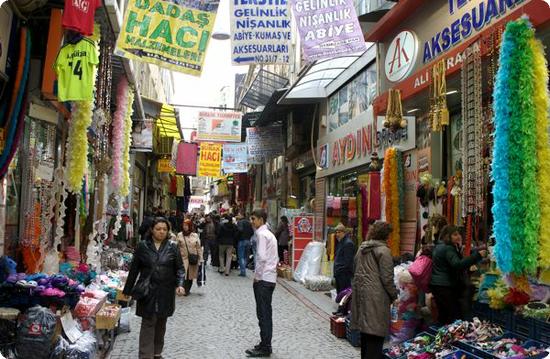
[
  {"x": 284, "y": 219},
  {"x": 447, "y": 231},
  {"x": 259, "y": 213},
  {"x": 158, "y": 220},
  {"x": 379, "y": 231}
]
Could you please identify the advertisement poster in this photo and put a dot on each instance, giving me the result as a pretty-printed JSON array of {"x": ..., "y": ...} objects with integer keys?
[
  {"x": 166, "y": 34},
  {"x": 210, "y": 159},
  {"x": 186, "y": 163},
  {"x": 142, "y": 136},
  {"x": 302, "y": 232},
  {"x": 323, "y": 156},
  {"x": 263, "y": 143},
  {"x": 333, "y": 112},
  {"x": 235, "y": 158},
  {"x": 163, "y": 166},
  {"x": 260, "y": 32},
  {"x": 328, "y": 29},
  {"x": 219, "y": 126}
]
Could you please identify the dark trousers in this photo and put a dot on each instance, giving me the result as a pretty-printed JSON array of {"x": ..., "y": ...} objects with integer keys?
[
  {"x": 371, "y": 346},
  {"x": 187, "y": 284},
  {"x": 343, "y": 281},
  {"x": 263, "y": 292},
  {"x": 151, "y": 337},
  {"x": 282, "y": 250},
  {"x": 448, "y": 306}
]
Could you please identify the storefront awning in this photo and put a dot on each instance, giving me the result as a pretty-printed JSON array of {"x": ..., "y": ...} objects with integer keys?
[
  {"x": 317, "y": 81},
  {"x": 165, "y": 116},
  {"x": 262, "y": 88}
]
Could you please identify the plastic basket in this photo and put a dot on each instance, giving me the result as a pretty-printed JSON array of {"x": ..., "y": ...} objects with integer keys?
[
  {"x": 433, "y": 329},
  {"x": 353, "y": 336},
  {"x": 460, "y": 354},
  {"x": 504, "y": 318},
  {"x": 481, "y": 353},
  {"x": 105, "y": 321},
  {"x": 541, "y": 331},
  {"x": 524, "y": 327},
  {"x": 536, "y": 344},
  {"x": 422, "y": 334},
  {"x": 482, "y": 311},
  {"x": 337, "y": 328}
]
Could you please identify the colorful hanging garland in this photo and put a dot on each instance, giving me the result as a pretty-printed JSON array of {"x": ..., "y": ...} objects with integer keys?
[
  {"x": 125, "y": 187},
  {"x": 542, "y": 101},
  {"x": 391, "y": 191},
  {"x": 515, "y": 167},
  {"x": 77, "y": 144},
  {"x": 118, "y": 132}
]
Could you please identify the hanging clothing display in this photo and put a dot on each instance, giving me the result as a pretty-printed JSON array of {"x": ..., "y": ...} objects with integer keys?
[{"x": 79, "y": 16}]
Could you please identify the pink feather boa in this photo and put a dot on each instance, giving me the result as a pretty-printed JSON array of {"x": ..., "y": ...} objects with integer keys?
[{"x": 118, "y": 131}]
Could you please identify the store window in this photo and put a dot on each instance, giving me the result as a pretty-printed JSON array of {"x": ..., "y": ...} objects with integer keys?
[{"x": 353, "y": 99}]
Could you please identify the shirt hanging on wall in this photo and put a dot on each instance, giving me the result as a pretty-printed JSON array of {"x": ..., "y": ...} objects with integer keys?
[
  {"x": 75, "y": 67},
  {"x": 78, "y": 15}
]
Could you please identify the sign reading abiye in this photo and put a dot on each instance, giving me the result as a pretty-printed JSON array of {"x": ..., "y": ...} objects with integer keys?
[
  {"x": 166, "y": 34},
  {"x": 328, "y": 28},
  {"x": 260, "y": 32}
]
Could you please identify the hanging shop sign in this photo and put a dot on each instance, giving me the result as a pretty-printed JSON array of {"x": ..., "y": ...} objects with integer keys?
[
  {"x": 210, "y": 159},
  {"x": 260, "y": 32},
  {"x": 163, "y": 166},
  {"x": 263, "y": 143},
  {"x": 235, "y": 158},
  {"x": 353, "y": 144},
  {"x": 302, "y": 231},
  {"x": 328, "y": 28},
  {"x": 401, "y": 56},
  {"x": 186, "y": 163},
  {"x": 142, "y": 135},
  {"x": 166, "y": 34},
  {"x": 219, "y": 126}
]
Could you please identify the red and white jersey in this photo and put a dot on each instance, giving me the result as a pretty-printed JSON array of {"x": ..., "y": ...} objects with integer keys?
[{"x": 78, "y": 15}]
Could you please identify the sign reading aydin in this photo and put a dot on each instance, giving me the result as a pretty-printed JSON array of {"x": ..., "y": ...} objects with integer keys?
[{"x": 401, "y": 56}]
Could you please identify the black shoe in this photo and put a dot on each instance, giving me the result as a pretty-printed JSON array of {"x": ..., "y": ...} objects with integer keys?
[
  {"x": 257, "y": 347},
  {"x": 258, "y": 353}
]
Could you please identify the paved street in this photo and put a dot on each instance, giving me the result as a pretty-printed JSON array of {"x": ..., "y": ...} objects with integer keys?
[{"x": 219, "y": 321}]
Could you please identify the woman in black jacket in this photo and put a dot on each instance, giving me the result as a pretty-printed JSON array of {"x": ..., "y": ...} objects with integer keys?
[{"x": 158, "y": 263}]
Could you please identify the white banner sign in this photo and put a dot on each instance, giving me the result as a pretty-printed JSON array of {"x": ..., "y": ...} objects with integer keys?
[
  {"x": 235, "y": 158},
  {"x": 263, "y": 143},
  {"x": 260, "y": 32},
  {"x": 219, "y": 126}
]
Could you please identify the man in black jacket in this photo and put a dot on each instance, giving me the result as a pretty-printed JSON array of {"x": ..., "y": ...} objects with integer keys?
[
  {"x": 245, "y": 233},
  {"x": 227, "y": 239},
  {"x": 343, "y": 259}
]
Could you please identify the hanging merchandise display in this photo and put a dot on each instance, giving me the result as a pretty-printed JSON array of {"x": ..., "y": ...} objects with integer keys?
[
  {"x": 439, "y": 114},
  {"x": 515, "y": 170},
  {"x": 390, "y": 189},
  {"x": 76, "y": 69},
  {"x": 79, "y": 16},
  {"x": 472, "y": 160},
  {"x": 77, "y": 144},
  {"x": 127, "y": 141},
  {"x": 394, "y": 114},
  {"x": 118, "y": 133}
]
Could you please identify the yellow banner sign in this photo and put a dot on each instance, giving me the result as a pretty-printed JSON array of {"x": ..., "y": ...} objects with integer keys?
[
  {"x": 166, "y": 34},
  {"x": 210, "y": 160},
  {"x": 164, "y": 166}
]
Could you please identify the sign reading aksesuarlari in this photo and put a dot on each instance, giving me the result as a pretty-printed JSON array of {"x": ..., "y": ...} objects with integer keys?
[
  {"x": 167, "y": 34},
  {"x": 260, "y": 32}
]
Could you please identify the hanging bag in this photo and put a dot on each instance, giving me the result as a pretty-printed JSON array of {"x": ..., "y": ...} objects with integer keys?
[
  {"x": 192, "y": 258},
  {"x": 421, "y": 272}
]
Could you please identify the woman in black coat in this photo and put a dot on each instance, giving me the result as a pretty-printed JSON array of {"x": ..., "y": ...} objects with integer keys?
[{"x": 158, "y": 263}]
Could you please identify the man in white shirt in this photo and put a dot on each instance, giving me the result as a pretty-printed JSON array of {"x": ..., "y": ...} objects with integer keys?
[{"x": 265, "y": 277}]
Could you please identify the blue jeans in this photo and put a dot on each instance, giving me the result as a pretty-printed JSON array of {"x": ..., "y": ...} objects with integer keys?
[{"x": 243, "y": 249}]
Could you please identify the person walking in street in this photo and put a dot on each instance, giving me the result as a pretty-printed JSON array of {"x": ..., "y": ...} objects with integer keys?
[
  {"x": 265, "y": 277},
  {"x": 343, "y": 259},
  {"x": 158, "y": 263},
  {"x": 190, "y": 248},
  {"x": 145, "y": 226},
  {"x": 227, "y": 238},
  {"x": 282, "y": 234},
  {"x": 449, "y": 277},
  {"x": 209, "y": 236},
  {"x": 373, "y": 291},
  {"x": 245, "y": 233}
]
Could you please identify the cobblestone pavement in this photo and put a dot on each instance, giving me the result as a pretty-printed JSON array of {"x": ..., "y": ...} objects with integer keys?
[{"x": 219, "y": 321}]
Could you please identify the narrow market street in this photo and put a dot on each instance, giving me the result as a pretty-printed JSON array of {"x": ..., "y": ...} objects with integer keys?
[{"x": 219, "y": 321}]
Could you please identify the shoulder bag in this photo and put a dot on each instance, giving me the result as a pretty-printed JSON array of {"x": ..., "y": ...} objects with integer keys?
[{"x": 193, "y": 258}]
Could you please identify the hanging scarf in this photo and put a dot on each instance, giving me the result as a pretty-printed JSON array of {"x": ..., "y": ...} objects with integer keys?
[{"x": 391, "y": 192}]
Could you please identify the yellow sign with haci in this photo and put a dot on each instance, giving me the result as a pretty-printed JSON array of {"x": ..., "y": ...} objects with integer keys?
[
  {"x": 166, "y": 34},
  {"x": 210, "y": 160}
]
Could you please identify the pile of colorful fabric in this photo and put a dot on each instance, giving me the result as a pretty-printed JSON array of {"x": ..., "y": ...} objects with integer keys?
[{"x": 404, "y": 326}]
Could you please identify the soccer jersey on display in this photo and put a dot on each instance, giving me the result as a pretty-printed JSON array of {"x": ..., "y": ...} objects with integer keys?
[
  {"x": 78, "y": 15},
  {"x": 75, "y": 67}
]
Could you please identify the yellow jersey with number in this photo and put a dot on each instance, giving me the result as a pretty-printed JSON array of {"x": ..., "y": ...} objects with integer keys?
[{"x": 75, "y": 67}]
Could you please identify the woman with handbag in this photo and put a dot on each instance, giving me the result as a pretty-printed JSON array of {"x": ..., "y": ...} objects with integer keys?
[
  {"x": 190, "y": 248},
  {"x": 158, "y": 263}
]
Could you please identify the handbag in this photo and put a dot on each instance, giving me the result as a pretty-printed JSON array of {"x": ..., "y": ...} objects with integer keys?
[
  {"x": 192, "y": 258},
  {"x": 421, "y": 272},
  {"x": 142, "y": 288}
]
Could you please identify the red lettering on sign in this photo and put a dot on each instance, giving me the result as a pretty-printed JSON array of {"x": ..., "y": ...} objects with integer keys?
[{"x": 397, "y": 53}]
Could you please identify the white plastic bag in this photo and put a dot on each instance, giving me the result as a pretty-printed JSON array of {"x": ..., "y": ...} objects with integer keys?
[
  {"x": 310, "y": 262},
  {"x": 318, "y": 283}
]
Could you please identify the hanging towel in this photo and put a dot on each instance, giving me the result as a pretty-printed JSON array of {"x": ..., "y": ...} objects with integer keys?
[
  {"x": 330, "y": 204},
  {"x": 337, "y": 207}
]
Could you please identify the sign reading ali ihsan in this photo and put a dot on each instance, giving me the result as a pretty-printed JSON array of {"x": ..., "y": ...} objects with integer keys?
[
  {"x": 328, "y": 28},
  {"x": 166, "y": 34},
  {"x": 219, "y": 126},
  {"x": 210, "y": 159},
  {"x": 260, "y": 32},
  {"x": 401, "y": 56}
]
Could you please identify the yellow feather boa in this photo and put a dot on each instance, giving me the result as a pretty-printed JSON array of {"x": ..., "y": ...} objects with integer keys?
[
  {"x": 125, "y": 186},
  {"x": 77, "y": 144},
  {"x": 543, "y": 151},
  {"x": 391, "y": 191}
]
